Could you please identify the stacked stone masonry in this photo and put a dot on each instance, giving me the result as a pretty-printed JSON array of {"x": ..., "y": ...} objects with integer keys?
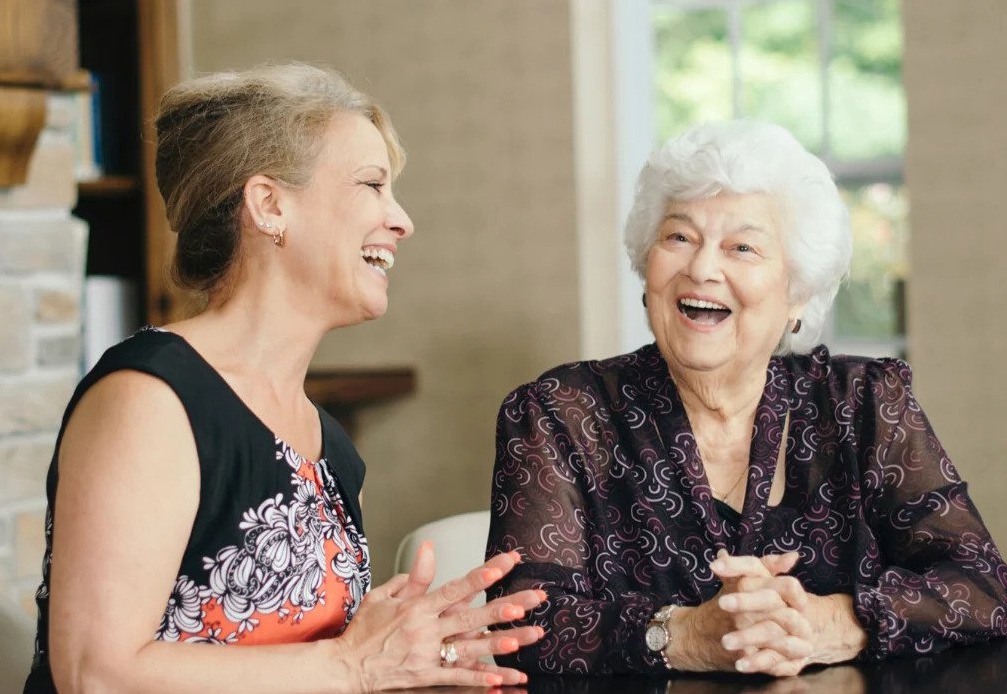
[{"x": 42, "y": 255}]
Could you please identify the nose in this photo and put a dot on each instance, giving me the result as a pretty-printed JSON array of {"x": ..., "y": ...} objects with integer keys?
[
  {"x": 397, "y": 220},
  {"x": 704, "y": 266}
]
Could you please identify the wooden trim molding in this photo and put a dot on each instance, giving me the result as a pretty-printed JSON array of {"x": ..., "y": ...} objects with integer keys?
[
  {"x": 22, "y": 118},
  {"x": 160, "y": 69},
  {"x": 343, "y": 392}
]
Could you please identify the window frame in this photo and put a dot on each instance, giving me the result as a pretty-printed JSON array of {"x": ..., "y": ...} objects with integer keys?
[{"x": 636, "y": 132}]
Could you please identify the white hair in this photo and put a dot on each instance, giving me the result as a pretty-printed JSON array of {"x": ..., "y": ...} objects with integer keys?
[{"x": 752, "y": 157}]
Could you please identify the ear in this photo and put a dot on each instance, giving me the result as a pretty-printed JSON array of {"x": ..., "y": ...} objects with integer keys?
[
  {"x": 796, "y": 311},
  {"x": 263, "y": 205}
]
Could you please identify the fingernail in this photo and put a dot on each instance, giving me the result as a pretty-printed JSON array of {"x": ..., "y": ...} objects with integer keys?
[
  {"x": 491, "y": 575},
  {"x": 728, "y": 602},
  {"x": 524, "y": 678},
  {"x": 494, "y": 680},
  {"x": 730, "y": 642},
  {"x": 517, "y": 555},
  {"x": 742, "y": 665},
  {"x": 509, "y": 645},
  {"x": 716, "y": 565},
  {"x": 541, "y": 632},
  {"x": 513, "y": 612},
  {"x": 542, "y": 595}
]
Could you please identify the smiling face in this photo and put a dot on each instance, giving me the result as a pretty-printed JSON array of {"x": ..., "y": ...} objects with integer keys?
[
  {"x": 717, "y": 284},
  {"x": 344, "y": 227}
]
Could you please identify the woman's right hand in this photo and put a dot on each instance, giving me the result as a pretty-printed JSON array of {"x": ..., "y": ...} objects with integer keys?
[{"x": 395, "y": 637}]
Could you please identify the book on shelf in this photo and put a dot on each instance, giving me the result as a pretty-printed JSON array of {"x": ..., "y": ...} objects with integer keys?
[{"x": 87, "y": 133}]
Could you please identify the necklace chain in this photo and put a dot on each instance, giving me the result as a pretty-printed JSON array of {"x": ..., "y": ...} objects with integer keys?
[{"x": 733, "y": 486}]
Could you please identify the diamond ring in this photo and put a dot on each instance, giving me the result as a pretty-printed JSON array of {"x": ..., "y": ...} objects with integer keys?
[{"x": 449, "y": 654}]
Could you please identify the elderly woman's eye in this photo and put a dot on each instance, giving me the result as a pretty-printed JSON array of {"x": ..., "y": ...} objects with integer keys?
[
  {"x": 680, "y": 238},
  {"x": 744, "y": 248}
]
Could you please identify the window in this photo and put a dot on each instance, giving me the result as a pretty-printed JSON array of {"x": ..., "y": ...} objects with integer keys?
[{"x": 830, "y": 71}]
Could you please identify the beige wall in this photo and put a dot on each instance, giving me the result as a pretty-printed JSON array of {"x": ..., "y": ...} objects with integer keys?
[
  {"x": 485, "y": 295},
  {"x": 956, "y": 167}
]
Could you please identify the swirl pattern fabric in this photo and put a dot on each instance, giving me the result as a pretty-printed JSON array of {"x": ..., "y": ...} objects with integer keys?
[{"x": 598, "y": 483}]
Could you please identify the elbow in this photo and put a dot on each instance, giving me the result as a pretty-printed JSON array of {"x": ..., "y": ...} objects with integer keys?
[{"x": 85, "y": 674}]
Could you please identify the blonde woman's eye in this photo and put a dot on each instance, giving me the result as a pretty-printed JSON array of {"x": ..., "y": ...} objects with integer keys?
[{"x": 376, "y": 185}]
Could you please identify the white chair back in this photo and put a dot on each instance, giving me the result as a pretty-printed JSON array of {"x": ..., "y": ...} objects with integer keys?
[{"x": 459, "y": 546}]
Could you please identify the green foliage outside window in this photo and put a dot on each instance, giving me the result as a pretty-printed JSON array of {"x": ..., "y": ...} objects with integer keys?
[{"x": 845, "y": 103}]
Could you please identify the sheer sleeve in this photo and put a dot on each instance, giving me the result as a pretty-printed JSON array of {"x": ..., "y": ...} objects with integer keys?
[
  {"x": 942, "y": 579},
  {"x": 544, "y": 503}
]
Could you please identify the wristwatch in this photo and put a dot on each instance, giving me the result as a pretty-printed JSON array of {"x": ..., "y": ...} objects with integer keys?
[{"x": 657, "y": 636}]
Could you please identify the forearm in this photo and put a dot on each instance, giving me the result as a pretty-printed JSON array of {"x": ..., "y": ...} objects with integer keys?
[
  {"x": 302, "y": 668},
  {"x": 952, "y": 603},
  {"x": 584, "y": 635}
]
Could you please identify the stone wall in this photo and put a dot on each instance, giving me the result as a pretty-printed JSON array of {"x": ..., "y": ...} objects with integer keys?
[{"x": 42, "y": 255}]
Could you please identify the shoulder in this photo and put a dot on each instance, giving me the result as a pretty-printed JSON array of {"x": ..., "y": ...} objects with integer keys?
[
  {"x": 595, "y": 376},
  {"x": 850, "y": 378},
  {"x": 593, "y": 382}
]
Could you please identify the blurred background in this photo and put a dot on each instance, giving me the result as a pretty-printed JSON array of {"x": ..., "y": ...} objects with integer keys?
[{"x": 525, "y": 122}]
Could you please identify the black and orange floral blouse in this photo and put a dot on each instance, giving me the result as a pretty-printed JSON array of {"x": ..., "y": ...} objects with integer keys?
[
  {"x": 599, "y": 484},
  {"x": 276, "y": 553}
]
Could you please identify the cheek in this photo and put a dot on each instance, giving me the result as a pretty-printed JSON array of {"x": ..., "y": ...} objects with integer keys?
[
  {"x": 764, "y": 288},
  {"x": 662, "y": 267}
]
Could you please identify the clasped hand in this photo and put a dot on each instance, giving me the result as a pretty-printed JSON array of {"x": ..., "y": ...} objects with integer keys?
[
  {"x": 767, "y": 615},
  {"x": 397, "y": 633}
]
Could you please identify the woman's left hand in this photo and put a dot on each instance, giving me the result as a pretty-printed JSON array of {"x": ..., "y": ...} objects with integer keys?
[{"x": 775, "y": 614}]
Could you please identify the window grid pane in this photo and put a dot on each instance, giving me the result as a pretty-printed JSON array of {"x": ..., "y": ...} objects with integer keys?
[{"x": 829, "y": 71}]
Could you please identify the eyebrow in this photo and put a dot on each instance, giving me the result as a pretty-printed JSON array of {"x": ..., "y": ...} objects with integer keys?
[
  {"x": 383, "y": 170},
  {"x": 682, "y": 217}
]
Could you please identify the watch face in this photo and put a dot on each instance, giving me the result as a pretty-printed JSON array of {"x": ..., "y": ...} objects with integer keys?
[{"x": 656, "y": 637}]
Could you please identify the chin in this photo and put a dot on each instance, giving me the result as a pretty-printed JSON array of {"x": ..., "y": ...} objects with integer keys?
[
  {"x": 372, "y": 310},
  {"x": 697, "y": 359}
]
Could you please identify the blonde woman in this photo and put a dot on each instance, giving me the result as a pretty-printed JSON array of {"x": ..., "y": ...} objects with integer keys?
[{"x": 196, "y": 495}]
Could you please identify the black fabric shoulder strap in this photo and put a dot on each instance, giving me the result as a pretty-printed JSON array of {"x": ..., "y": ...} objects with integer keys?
[{"x": 344, "y": 463}]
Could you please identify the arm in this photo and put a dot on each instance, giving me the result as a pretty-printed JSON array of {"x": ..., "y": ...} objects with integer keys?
[
  {"x": 944, "y": 581},
  {"x": 541, "y": 508},
  {"x": 127, "y": 497}
]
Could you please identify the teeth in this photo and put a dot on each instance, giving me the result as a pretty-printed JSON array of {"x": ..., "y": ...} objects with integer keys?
[
  {"x": 382, "y": 258},
  {"x": 697, "y": 303}
]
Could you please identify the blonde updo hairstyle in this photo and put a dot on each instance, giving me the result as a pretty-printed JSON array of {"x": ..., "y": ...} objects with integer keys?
[
  {"x": 217, "y": 131},
  {"x": 753, "y": 157}
]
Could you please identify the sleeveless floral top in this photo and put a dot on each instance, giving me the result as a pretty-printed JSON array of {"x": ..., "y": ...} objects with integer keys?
[{"x": 276, "y": 553}]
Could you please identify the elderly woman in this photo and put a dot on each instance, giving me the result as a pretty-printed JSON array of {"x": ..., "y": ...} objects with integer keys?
[
  {"x": 733, "y": 497},
  {"x": 196, "y": 495}
]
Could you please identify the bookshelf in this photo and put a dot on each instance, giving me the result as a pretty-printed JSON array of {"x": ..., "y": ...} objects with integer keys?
[{"x": 130, "y": 48}]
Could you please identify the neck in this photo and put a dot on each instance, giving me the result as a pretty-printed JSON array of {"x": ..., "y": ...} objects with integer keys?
[
  {"x": 719, "y": 396},
  {"x": 259, "y": 333}
]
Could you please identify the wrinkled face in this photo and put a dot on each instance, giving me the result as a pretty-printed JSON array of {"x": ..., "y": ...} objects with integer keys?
[
  {"x": 716, "y": 283},
  {"x": 345, "y": 225}
]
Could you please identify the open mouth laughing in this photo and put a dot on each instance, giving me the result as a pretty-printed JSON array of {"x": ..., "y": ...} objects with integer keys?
[
  {"x": 379, "y": 258},
  {"x": 702, "y": 312}
]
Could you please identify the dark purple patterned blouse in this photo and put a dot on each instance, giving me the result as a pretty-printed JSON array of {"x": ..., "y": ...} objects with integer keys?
[{"x": 598, "y": 483}]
